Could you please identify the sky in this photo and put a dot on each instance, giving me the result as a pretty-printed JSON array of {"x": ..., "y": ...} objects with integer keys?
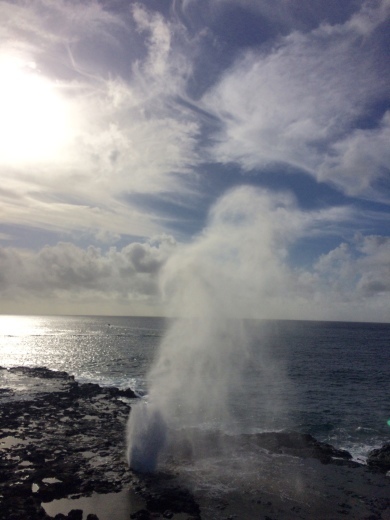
[{"x": 145, "y": 145}]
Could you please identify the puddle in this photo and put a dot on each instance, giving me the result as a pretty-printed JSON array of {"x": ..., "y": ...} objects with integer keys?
[
  {"x": 10, "y": 441},
  {"x": 109, "y": 506},
  {"x": 51, "y": 480},
  {"x": 105, "y": 506}
]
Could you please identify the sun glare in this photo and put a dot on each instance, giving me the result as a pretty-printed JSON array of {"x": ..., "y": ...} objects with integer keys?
[{"x": 34, "y": 122}]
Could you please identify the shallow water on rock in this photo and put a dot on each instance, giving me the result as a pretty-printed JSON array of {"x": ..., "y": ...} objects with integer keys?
[
  {"x": 106, "y": 506},
  {"x": 10, "y": 441}
]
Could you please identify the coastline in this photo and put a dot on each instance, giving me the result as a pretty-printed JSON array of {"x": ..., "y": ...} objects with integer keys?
[{"x": 62, "y": 448}]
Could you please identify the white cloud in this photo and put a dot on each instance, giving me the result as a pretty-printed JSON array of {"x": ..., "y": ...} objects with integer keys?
[
  {"x": 357, "y": 160},
  {"x": 374, "y": 266},
  {"x": 125, "y": 135},
  {"x": 352, "y": 281},
  {"x": 159, "y": 40},
  {"x": 298, "y": 103},
  {"x": 238, "y": 266},
  {"x": 56, "y": 22},
  {"x": 66, "y": 273},
  {"x": 369, "y": 17}
]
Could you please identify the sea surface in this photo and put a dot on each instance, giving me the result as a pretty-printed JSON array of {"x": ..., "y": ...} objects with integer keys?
[{"x": 330, "y": 379}]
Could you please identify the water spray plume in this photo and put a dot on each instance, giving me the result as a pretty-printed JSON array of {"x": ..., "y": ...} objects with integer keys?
[{"x": 228, "y": 273}]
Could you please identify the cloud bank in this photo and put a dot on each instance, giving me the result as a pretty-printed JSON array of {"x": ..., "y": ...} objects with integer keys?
[
  {"x": 66, "y": 277},
  {"x": 244, "y": 250}
]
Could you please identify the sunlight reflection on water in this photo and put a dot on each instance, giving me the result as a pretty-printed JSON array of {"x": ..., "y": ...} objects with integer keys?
[{"x": 23, "y": 326}]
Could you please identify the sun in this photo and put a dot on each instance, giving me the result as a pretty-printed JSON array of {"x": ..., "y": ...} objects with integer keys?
[{"x": 35, "y": 122}]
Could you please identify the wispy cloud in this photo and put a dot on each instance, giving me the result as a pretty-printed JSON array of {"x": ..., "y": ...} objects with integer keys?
[
  {"x": 126, "y": 135},
  {"x": 300, "y": 104},
  {"x": 155, "y": 113},
  {"x": 46, "y": 22}
]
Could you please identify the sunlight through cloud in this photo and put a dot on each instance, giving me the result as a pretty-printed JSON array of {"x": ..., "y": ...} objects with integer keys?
[{"x": 35, "y": 122}]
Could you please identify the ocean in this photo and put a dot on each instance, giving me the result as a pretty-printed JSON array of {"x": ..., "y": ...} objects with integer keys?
[{"x": 330, "y": 379}]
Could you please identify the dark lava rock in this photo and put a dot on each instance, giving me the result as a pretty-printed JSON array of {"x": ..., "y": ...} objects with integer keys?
[
  {"x": 162, "y": 496},
  {"x": 67, "y": 439},
  {"x": 287, "y": 443},
  {"x": 116, "y": 392},
  {"x": 380, "y": 458},
  {"x": 142, "y": 514},
  {"x": 75, "y": 514},
  {"x": 42, "y": 373},
  {"x": 297, "y": 444}
]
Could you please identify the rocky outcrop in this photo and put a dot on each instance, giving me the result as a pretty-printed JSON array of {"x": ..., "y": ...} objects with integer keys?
[
  {"x": 299, "y": 445},
  {"x": 199, "y": 444},
  {"x": 380, "y": 458},
  {"x": 59, "y": 438}
]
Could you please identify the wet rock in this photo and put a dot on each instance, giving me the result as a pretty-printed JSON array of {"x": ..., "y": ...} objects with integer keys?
[
  {"x": 75, "y": 514},
  {"x": 42, "y": 372},
  {"x": 298, "y": 444},
  {"x": 142, "y": 514},
  {"x": 116, "y": 392},
  {"x": 67, "y": 439},
  {"x": 380, "y": 458},
  {"x": 50, "y": 436},
  {"x": 161, "y": 497}
]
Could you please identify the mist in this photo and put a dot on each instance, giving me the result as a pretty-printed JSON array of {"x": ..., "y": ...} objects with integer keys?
[{"x": 233, "y": 271}]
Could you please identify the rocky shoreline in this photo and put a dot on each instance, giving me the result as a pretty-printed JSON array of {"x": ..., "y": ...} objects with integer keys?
[{"x": 60, "y": 439}]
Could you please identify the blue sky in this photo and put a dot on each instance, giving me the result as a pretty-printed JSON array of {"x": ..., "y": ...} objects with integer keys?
[{"x": 143, "y": 143}]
